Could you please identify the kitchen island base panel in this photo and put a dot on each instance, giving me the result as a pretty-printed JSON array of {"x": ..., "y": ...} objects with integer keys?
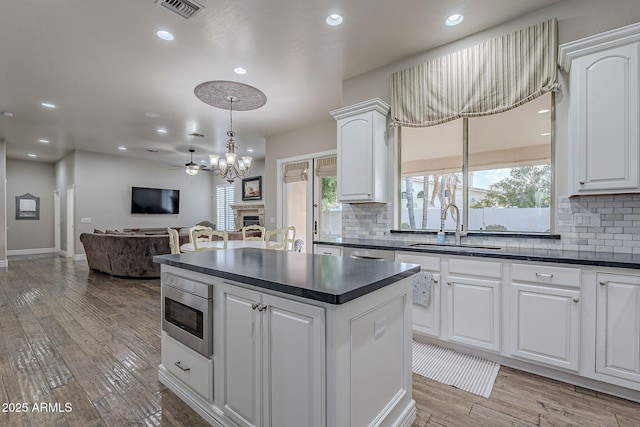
[{"x": 365, "y": 359}]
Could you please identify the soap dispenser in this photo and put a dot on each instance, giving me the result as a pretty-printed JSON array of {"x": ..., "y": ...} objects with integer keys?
[{"x": 441, "y": 236}]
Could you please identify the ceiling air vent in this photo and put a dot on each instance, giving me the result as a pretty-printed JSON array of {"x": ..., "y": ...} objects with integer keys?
[
  {"x": 199, "y": 135},
  {"x": 185, "y": 8}
]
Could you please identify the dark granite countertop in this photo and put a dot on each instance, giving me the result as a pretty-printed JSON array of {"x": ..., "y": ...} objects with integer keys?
[
  {"x": 333, "y": 280},
  {"x": 539, "y": 255}
]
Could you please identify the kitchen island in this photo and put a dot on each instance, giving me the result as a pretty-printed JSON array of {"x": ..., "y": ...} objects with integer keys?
[{"x": 296, "y": 339}]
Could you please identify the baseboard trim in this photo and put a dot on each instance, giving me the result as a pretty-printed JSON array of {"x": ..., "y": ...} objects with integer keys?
[
  {"x": 35, "y": 251},
  {"x": 4, "y": 263},
  {"x": 80, "y": 257}
]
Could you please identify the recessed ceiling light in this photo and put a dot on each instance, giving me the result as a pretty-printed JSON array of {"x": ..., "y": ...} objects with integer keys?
[
  {"x": 152, "y": 115},
  {"x": 48, "y": 105},
  {"x": 239, "y": 70},
  {"x": 545, "y": 134},
  {"x": 32, "y": 155},
  {"x": 121, "y": 148},
  {"x": 334, "y": 19},
  {"x": 43, "y": 141},
  {"x": 546, "y": 110},
  {"x": 250, "y": 150},
  {"x": 454, "y": 20},
  {"x": 165, "y": 35},
  {"x": 161, "y": 130}
]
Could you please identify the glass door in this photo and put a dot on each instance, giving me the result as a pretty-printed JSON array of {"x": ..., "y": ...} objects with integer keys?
[
  {"x": 309, "y": 198},
  {"x": 327, "y": 211}
]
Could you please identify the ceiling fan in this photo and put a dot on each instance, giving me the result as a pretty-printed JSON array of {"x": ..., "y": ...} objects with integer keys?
[{"x": 191, "y": 168}]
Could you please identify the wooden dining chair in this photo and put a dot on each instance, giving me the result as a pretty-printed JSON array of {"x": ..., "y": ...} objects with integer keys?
[
  {"x": 198, "y": 237},
  {"x": 254, "y": 227},
  {"x": 174, "y": 240},
  {"x": 276, "y": 239},
  {"x": 290, "y": 238},
  {"x": 197, "y": 228}
]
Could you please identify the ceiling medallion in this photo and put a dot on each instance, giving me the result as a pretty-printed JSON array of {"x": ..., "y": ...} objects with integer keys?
[{"x": 229, "y": 96}]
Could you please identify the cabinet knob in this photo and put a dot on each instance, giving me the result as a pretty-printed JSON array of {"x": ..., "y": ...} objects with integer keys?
[
  {"x": 544, "y": 275},
  {"x": 435, "y": 280},
  {"x": 603, "y": 283},
  {"x": 254, "y": 305},
  {"x": 262, "y": 307},
  {"x": 449, "y": 283},
  {"x": 576, "y": 300},
  {"x": 581, "y": 182},
  {"x": 179, "y": 365}
]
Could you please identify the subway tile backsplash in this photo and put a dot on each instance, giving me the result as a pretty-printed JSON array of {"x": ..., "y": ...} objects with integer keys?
[{"x": 586, "y": 223}]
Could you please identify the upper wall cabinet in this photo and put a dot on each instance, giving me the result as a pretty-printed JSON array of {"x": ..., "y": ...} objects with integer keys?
[
  {"x": 362, "y": 152},
  {"x": 603, "y": 112}
]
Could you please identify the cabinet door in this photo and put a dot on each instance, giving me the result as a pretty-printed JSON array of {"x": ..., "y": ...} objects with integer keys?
[
  {"x": 242, "y": 357},
  {"x": 355, "y": 158},
  {"x": 293, "y": 349},
  {"x": 545, "y": 325},
  {"x": 474, "y": 312},
  {"x": 604, "y": 121},
  {"x": 426, "y": 320},
  {"x": 618, "y": 326}
]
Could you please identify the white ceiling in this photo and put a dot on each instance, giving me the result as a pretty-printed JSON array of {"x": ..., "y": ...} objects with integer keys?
[{"x": 101, "y": 63}]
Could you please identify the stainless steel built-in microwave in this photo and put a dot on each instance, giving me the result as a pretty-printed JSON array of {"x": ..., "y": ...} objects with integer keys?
[{"x": 187, "y": 312}]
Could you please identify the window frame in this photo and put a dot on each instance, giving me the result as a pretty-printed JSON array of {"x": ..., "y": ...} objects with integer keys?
[{"x": 397, "y": 197}]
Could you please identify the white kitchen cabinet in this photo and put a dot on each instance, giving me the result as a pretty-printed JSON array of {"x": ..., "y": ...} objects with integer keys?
[
  {"x": 362, "y": 152},
  {"x": 618, "y": 326},
  {"x": 545, "y": 325},
  {"x": 473, "y": 303},
  {"x": 603, "y": 112},
  {"x": 271, "y": 371},
  {"x": 327, "y": 250},
  {"x": 426, "y": 320},
  {"x": 545, "y": 315},
  {"x": 190, "y": 367}
]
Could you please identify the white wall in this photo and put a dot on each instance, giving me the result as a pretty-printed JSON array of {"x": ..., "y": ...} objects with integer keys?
[
  {"x": 38, "y": 179},
  {"x": 103, "y": 193},
  {"x": 3, "y": 205},
  {"x": 312, "y": 139}
]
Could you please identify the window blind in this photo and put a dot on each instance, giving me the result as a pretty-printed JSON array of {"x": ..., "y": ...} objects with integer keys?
[
  {"x": 327, "y": 166},
  {"x": 225, "y": 197},
  {"x": 294, "y": 172},
  {"x": 485, "y": 79}
]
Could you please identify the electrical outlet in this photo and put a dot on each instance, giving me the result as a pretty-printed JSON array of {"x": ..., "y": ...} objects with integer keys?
[
  {"x": 586, "y": 219},
  {"x": 85, "y": 220}
]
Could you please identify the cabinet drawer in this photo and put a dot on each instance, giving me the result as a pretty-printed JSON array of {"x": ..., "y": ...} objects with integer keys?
[
  {"x": 193, "y": 369},
  {"x": 328, "y": 250},
  {"x": 542, "y": 274},
  {"x": 431, "y": 263},
  {"x": 475, "y": 268}
]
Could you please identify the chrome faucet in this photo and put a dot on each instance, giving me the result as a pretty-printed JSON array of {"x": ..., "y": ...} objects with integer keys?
[{"x": 458, "y": 233}]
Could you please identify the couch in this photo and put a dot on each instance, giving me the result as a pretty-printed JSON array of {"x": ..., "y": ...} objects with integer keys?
[
  {"x": 126, "y": 255},
  {"x": 130, "y": 255}
]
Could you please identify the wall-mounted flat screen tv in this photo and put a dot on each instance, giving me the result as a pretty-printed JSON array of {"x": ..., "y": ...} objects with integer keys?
[{"x": 154, "y": 201}]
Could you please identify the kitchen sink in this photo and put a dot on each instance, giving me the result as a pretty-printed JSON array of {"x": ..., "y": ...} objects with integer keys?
[{"x": 445, "y": 246}]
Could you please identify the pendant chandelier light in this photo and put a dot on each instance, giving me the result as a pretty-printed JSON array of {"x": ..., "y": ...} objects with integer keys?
[
  {"x": 228, "y": 167},
  {"x": 230, "y": 95}
]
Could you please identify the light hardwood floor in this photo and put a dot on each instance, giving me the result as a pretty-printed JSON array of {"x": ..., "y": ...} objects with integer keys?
[{"x": 71, "y": 336}]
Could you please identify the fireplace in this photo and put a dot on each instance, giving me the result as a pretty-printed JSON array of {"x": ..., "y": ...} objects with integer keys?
[
  {"x": 254, "y": 214},
  {"x": 250, "y": 220}
]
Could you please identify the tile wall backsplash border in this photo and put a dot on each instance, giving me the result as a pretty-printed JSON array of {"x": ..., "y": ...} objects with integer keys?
[{"x": 609, "y": 224}]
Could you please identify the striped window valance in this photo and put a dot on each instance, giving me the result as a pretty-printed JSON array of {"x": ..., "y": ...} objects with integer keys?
[
  {"x": 295, "y": 172},
  {"x": 485, "y": 79},
  {"x": 327, "y": 166}
]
